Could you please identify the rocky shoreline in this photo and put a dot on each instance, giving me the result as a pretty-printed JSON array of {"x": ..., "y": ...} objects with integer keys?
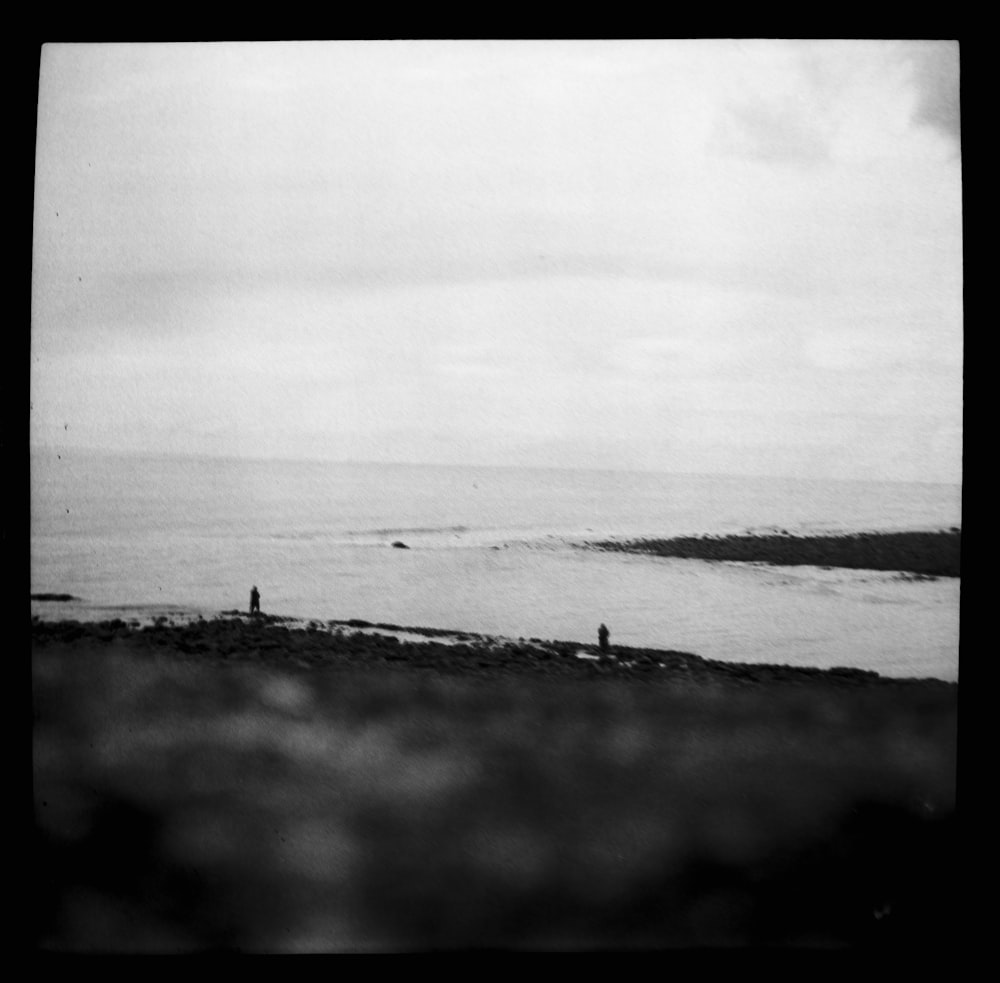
[
  {"x": 276, "y": 641},
  {"x": 921, "y": 554}
]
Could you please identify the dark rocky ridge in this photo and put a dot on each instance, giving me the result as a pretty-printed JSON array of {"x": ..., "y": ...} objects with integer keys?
[{"x": 929, "y": 554}]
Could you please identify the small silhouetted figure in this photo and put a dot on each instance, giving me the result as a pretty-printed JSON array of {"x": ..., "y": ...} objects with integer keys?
[
  {"x": 254, "y": 600},
  {"x": 602, "y": 638}
]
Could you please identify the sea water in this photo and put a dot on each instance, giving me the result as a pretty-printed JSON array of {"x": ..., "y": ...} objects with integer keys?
[{"x": 493, "y": 550}]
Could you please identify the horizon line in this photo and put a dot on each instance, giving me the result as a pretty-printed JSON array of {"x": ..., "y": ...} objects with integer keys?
[{"x": 43, "y": 448}]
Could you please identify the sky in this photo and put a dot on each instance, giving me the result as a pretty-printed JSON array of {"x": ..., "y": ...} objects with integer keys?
[{"x": 716, "y": 256}]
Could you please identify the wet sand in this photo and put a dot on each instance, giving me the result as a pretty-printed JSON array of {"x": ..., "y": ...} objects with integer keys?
[{"x": 249, "y": 784}]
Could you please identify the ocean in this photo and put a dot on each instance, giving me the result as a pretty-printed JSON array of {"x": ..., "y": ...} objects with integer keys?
[{"x": 491, "y": 550}]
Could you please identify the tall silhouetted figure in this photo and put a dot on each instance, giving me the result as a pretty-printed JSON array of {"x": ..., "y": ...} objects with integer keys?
[
  {"x": 602, "y": 638},
  {"x": 254, "y": 600}
]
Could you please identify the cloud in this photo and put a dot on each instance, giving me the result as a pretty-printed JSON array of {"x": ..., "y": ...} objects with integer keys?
[
  {"x": 771, "y": 132},
  {"x": 812, "y": 102},
  {"x": 936, "y": 73}
]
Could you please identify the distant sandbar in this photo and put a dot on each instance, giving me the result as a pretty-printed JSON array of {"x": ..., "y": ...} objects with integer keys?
[{"x": 928, "y": 554}]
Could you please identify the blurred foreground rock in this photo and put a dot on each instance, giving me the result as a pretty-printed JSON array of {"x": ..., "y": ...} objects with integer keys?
[{"x": 246, "y": 798}]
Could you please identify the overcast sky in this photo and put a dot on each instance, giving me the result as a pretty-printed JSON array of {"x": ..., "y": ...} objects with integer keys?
[{"x": 718, "y": 256}]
